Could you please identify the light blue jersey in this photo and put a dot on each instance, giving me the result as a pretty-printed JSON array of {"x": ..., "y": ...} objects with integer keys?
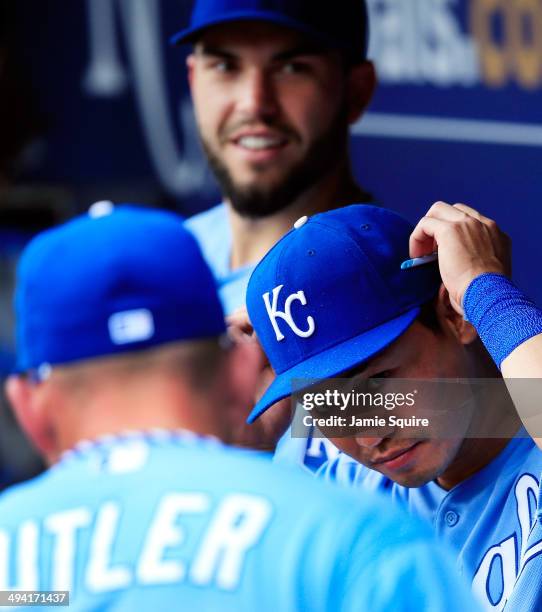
[
  {"x": 213, "y": 233},
  {"x": 170, "y": 521},
  {"x": 487, "y": 520}
]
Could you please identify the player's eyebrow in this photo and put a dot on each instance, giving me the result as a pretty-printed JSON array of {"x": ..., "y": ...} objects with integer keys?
[
  {"x": 356, "y": 370},
  {"x": 281, "y": 56},
  {"x": 216, "y": 52},
  {"x": 303, "y": 49}
]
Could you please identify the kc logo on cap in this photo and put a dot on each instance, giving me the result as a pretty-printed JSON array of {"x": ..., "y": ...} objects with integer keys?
[{"x": 286, "y": 315}]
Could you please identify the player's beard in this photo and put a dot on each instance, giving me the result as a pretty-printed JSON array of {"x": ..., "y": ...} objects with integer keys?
[{"x": 256, "y": 202}]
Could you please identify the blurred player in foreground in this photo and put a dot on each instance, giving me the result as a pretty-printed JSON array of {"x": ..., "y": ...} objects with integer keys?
[
  {"x": 275, "y": 86},
  {"x": 331, "y": 298},
  {"x": 127, "y": 391}
]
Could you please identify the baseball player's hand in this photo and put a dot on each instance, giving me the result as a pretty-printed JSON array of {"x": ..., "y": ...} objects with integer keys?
[
  {"x": 468, "y": 245},
  {"x": 266, "y": 431},
  {"x": 239, "y": 326}
]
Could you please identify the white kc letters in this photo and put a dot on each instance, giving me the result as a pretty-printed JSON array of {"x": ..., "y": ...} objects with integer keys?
[{"x": 274, "y": 313}]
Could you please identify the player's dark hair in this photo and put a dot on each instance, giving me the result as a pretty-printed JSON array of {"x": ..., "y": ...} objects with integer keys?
[{"x": 428, "y": 316}]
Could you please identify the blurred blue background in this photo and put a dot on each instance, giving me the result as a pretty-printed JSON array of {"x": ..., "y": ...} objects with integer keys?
[{"x": 94, "y": 105}]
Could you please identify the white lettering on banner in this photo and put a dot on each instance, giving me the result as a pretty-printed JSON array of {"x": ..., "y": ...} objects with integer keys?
[
  {"x": 511, "y": 559},
  {"x": 181, "y": 171},
  {"x": 421, "y": 41},
  {"x": 274, "y": 313},
  {"x": 410, "y": 41},
  {"x": 105, "y": 74}
]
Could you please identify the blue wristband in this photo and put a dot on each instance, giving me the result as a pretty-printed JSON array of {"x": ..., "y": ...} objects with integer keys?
[{"x": 503, "y": 317}]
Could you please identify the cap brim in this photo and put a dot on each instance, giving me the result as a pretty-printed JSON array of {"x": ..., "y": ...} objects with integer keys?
[
  {"x": 335, "y": 360},
  {"x": 189, "y": 35}
]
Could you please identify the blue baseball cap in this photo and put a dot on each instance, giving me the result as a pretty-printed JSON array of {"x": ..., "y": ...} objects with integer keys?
[
  {"x": 343, "y": 25},
  {"x": 331, "y": 294},
  {"x": 115, "y": 280}
]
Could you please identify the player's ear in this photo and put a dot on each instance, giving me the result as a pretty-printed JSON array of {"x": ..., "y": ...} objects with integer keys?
[
  {"x": 361, "y": 86},
  {"x": 451, "y": 321},
  {"x": 25, "y": 402},
  {"x": 190, "y": 63}
]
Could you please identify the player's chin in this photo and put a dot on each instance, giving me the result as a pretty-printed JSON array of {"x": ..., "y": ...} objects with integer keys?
[
  {"x": 412, "y": 479},
  {"x": 273, "y": 166},
  {"x": 265, "y": 178},
  {"x": 423, "y": 463}
]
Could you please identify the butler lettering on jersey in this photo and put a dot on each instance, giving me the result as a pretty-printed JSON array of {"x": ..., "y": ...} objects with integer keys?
[
  {"x": 286, "y": 315},
  {"x": 226, "y": 533}
]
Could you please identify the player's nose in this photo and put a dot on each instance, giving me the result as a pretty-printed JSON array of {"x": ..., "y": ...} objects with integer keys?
[
  {"x": 368, "y": 441},
  {"x": 258, "y": 97}
]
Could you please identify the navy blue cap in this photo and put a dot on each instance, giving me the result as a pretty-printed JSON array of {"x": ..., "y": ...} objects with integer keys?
[
  {"x": 117, "y": 279},
  {"x": 343, "y": 25},
  {"x": 331, "y": 294}
]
